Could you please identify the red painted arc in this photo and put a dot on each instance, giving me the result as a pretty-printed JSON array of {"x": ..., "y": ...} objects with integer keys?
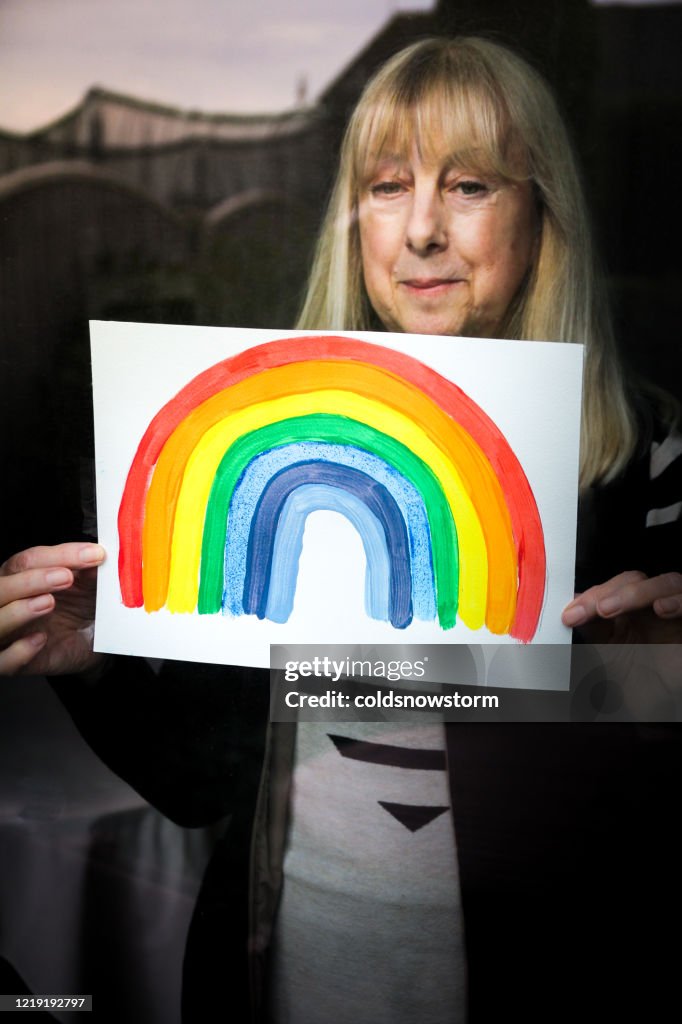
[{"x": 525, "y": 519}]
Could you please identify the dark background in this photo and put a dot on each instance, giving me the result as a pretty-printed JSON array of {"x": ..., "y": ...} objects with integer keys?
[{"x": 215, "y": 225}]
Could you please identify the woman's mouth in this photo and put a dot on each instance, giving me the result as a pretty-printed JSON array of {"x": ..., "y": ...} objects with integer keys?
[{"x": 430, "y": 286}]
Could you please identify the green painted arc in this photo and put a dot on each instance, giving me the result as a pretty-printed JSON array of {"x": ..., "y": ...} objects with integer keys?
[{"x": 334, "y": 429}]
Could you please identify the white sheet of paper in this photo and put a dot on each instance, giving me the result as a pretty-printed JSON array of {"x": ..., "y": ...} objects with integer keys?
[{"x": 531, "y": 390}]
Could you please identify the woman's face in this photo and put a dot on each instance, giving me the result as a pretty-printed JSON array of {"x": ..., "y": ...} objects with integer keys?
[{"x": 444, "y": 251}]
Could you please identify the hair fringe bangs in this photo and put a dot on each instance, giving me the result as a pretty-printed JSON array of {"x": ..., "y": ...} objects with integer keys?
[{"x": 460, "y": 118}]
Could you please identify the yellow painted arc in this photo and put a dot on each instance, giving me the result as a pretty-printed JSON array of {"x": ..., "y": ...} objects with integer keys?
[{"x": 203, "y": 464}]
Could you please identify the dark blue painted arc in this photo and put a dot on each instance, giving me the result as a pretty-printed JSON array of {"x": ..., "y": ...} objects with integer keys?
[
  {"x": 375, "y": 496},
  {"x": 267, "y": 463},
  {"x": 289, "y": 542}
]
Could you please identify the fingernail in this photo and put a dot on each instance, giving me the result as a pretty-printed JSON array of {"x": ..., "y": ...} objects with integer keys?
[
  {"x": 91, "y": 554},
  {"x": 667, "y": 605},
  {"x": 609, "y": 605},
  {"x": 37, "y": 639},
  {"x": 57, "y": 577},
  {"x": 574, "y": 616},
  {"x": 41, "y": 603}
]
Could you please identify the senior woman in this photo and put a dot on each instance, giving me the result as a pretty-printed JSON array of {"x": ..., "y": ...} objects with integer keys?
[{"x": 457, "y": 211}]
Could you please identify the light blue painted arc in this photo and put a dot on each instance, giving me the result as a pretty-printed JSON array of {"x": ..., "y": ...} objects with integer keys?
[
  {"x": 264, "y": 466},
  {"x": 289, "y": 540}
]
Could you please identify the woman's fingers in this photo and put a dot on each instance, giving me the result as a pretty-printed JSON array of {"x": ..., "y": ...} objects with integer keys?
[
  {"x": 17, "y": 614},
  {"x": 636, "y": 595},
  {"x": 29, "y": 578},
  {"x": 75, "y": 555},
  {"x": 21, "y": 653},
  {"x": 626, "y": 593},
  {"x": 668, "y": 604},
  {"x": 32, "y": 583},
  {"x": 25, "y": 596},
  {"x": 585, "y": 606},
  {"x": 46, "y": 595}
]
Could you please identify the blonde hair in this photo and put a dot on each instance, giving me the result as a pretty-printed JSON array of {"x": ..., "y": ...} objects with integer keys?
[{"x": 476, "y": 99}]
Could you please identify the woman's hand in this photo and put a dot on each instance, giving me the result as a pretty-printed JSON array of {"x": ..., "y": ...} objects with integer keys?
[
  {"x": 630, "y": 608},
  {"x": 47, "y": 609}
]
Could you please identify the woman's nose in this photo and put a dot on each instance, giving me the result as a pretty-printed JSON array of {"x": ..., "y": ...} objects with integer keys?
[{"x": 426, "y": 229}]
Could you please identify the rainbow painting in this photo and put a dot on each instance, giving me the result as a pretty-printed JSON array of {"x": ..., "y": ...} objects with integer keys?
[{"x": 214, "y": 507}]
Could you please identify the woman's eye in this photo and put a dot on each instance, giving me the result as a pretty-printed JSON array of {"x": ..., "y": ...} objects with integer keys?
[
  {"x": 386, "y": 188},
  {"x": 470, "y": 188}
]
